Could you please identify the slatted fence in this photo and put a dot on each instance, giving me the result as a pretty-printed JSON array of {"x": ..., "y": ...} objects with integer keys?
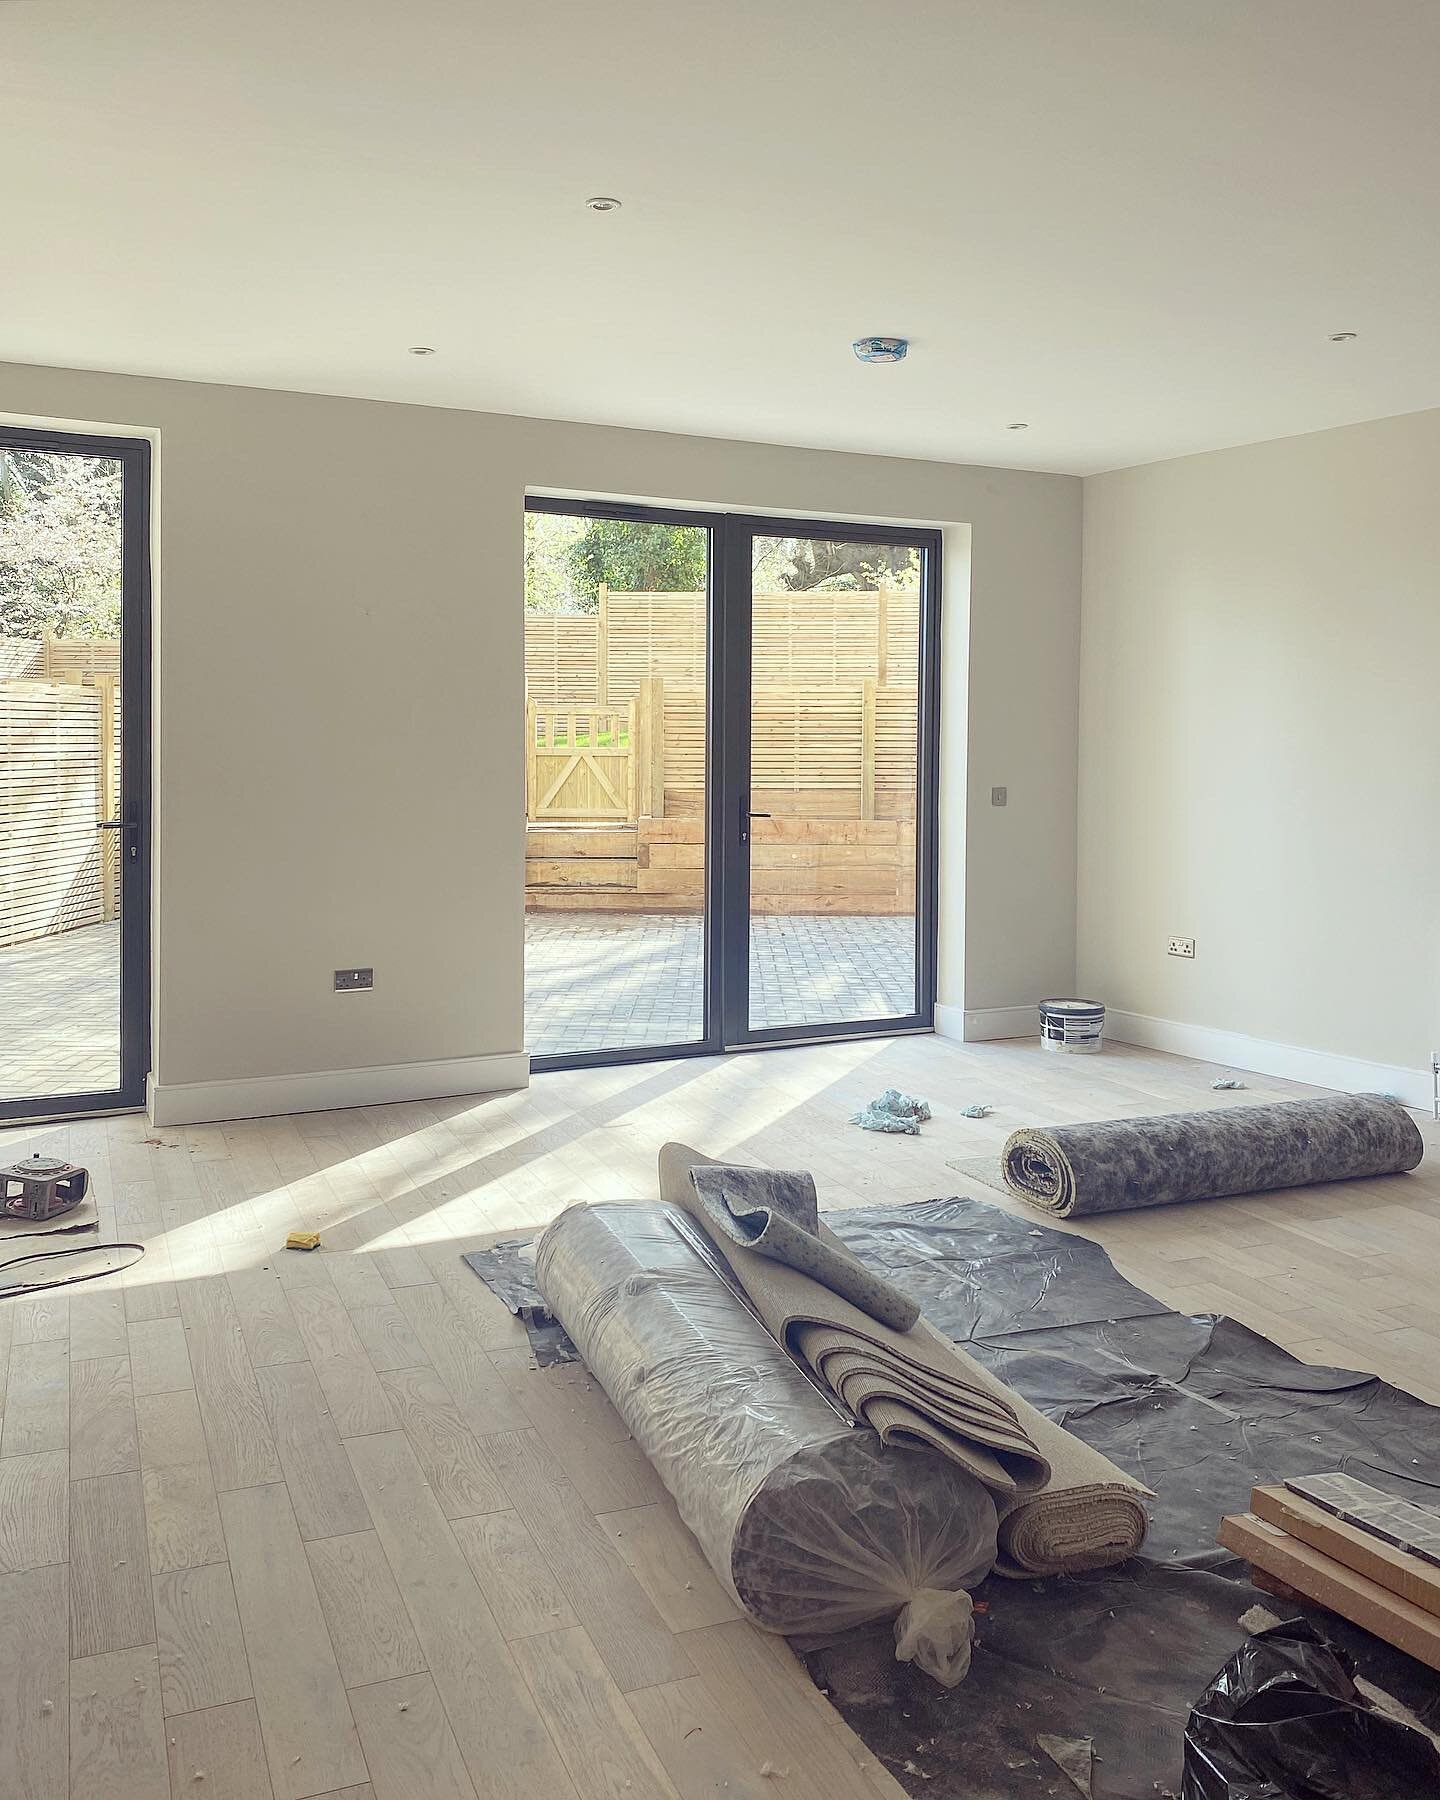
[
  {"x": 52, "y": 861},
  {"x": 799, "y": 640},
  {"x": 60, "y": 735}
]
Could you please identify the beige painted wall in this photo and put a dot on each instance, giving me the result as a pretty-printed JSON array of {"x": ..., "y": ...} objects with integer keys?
[
  {"x": 340, "y": 654},
  {"x": 1260, "y": 762}
]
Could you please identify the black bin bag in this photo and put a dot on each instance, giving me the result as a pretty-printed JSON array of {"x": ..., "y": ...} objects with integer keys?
[{"x": 1283, "y": 1720}]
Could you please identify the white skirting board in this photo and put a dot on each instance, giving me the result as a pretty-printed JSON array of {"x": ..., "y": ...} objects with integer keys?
[
  {"x": 1231, "y": 1049},
  {"x": 262, "y": 1096},
  {"x": 1265, "y": 1056},
  {"x": 977, "y": 1025}
]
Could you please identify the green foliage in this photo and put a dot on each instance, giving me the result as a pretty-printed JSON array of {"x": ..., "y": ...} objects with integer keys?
[
  {"x": 638, "y": 558},
  {"x": 548, "y": 537},
  {"x": 568, "y": 557},
  {"x": 59, "y": 545},
  {"x": 806, "y": 564}
]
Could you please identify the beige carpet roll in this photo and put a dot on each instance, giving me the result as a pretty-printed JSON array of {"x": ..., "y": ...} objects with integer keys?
[
  {"x": 1089, "y": 1515},
  {"x": 1064, "y": 1507},
  {"x": 914, "y": 1388}
]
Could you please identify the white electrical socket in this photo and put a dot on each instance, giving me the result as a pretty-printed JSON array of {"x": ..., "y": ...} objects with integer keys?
[{"x": 1180, "y": 947}]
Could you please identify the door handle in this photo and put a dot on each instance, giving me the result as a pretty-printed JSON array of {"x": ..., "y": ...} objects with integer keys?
[
  {"x": 746, "y": 816},
  {"x": 130, "y": 823}
]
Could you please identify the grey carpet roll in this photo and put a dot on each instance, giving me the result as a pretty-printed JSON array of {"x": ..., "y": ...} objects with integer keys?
[
  {"x": 1116, "y": 1165},
  {"x": 809, "y": 1521}
]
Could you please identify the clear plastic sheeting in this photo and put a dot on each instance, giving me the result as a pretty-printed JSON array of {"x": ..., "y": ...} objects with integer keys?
[{"x": 811, "y": 1524}]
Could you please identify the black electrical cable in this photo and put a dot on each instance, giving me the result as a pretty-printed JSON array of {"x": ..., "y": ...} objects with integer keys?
[{"x": 38, "y": 1287}]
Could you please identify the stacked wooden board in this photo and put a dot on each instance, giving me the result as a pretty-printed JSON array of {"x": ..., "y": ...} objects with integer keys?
[
  {"x": 1347, "y": 1546},
  {"x": 846, "y": 866}
]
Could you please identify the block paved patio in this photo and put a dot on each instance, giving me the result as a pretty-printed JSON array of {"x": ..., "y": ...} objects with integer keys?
[
  {"x": 594, "y": 981},
  {"x": 605, "y": 981},
  {"x": 60, "y": 1014}
]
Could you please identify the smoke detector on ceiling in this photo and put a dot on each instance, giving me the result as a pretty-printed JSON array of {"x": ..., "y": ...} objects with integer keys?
[{"x": 881, "y": 349}]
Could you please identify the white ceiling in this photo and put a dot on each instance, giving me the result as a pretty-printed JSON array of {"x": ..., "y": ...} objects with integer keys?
[{"x": 1133, "y": 223}]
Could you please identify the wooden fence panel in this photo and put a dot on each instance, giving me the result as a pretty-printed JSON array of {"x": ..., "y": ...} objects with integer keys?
[
  {"x": 561, "y": 659},
  {"x": 50, "y": 800},
  {"x": 21, "y": 659},
  {"x": 78, "y": 659},
  {"x": 653, "y": 634},
  {"x": 800, "y": 639}
]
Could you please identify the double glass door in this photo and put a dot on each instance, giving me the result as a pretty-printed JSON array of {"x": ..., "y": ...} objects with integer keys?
[{"x": 730, "y": 781}]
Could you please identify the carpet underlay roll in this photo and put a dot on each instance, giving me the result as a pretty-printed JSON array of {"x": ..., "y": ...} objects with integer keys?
[
  {"x": 1063, "y": 1506},
  {"x": 810, "y": 1522},
  {"x": 1117, "y": 1165}
]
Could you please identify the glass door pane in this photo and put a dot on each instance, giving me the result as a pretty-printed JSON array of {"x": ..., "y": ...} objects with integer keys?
[
  {"x": 64, "y": 613},
  {"x": 835, "y": 636},
  {"x": 616, "y": 673}
]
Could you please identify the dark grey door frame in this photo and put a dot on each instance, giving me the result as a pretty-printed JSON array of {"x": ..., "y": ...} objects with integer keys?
[
  {"x": 728, "y": 709},
  {"x": 730, "y": 747},
  {"x": 133, "y": 455}
]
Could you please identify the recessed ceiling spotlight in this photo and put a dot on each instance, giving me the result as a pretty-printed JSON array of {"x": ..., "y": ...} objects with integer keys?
[
  {"x": 1343, "y": 337},
  {"x": 603, "y": 203},
  {"x": 422, "y": 349},
  {"x": 881, "y": 349},
  {"x": 1019, "y": 425}
]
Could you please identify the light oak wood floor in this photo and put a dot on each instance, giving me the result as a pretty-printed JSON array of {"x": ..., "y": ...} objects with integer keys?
[{"x": 276, "y": 1525}]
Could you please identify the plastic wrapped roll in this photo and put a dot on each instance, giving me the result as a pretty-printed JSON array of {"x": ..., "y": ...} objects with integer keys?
[{"x": 807, "y": 1520}]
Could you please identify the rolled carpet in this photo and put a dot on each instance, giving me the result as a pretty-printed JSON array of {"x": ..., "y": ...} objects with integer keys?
[
  {"x": 809, "y": 1521},
  {"x": 1117, "y": 1165},
  {"x": 1063, "y": 1506}
]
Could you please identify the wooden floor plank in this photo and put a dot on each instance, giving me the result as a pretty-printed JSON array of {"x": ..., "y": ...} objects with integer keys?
[
  {"x": 110, "y": 1602},
  {"x": 242, "y": 1452},
  {"x": 150, "y": 1300},
  {"x": 117, "y": 1729},
  {"x": 452, "y": 1457},
  {"x": 507, "y": 1750},
  {"x": 409, "y": 1746},
  {"x": 102, "y": 1418},
  {"x": 34, "y": 1510},
  {"x": 37, "y": 1398},
  {"x": 369, "y": 1626},
  {"x": 699, "y": 1746},
  {"x": 666, "y": 1561},
  {"x": 769, "y": 1699},
  {"x": 159, "y": 1359},
  {"x": 638, "y": 1647},
  {"x": 97, "y": 1326},
  {"x": 322, "y": 1484},
  {"x": 518, "y": 1584},
  {"x": 218, "y": 1753},
  {"x": 197, "y": 1630},
  {"x": 352, "y": 1389},
  {"x": 356, "y": 1280},
  {"x": 475, "y": 1385},
  {"x": 587, "y": 1437},
  {"x": 388, "y": 1339},
  {"x": 268, "y": 1325},
  {"x": 310, "y": 1739},
  {"x": 170, "y": 1430},
  {"x": 40, "y": 1319},
  {"x": 35, "y": 1684},
  {"x": 182, "y": 1517},
  {"x": 402, "y": 1267},
  {"x": 604, "y": 1747}
]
